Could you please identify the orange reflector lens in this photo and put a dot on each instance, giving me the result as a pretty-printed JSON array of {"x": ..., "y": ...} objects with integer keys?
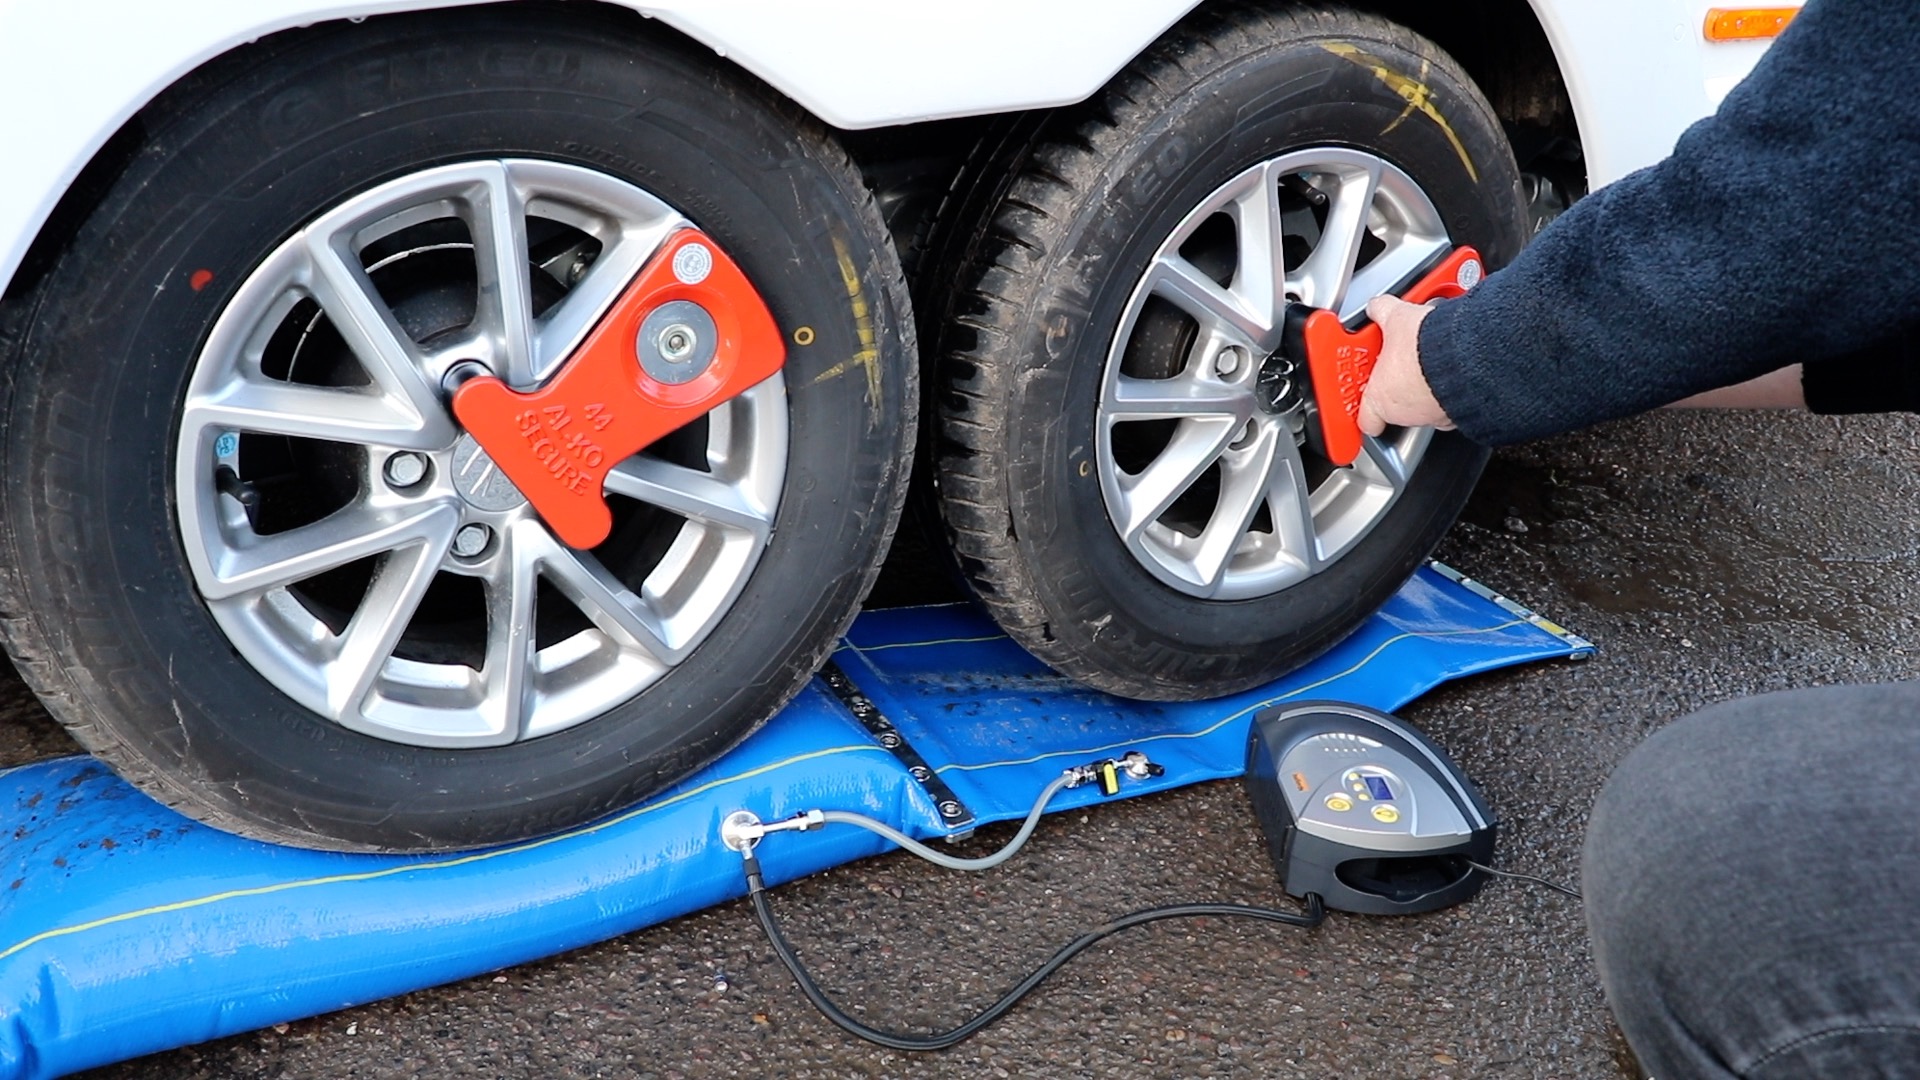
[{"x": 1748, "y": 24}]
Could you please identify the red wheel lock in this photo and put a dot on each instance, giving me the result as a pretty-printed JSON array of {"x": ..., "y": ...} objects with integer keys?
[
  {"x": 689, "y": 333},
  {"x": 1340, "y": 361}
]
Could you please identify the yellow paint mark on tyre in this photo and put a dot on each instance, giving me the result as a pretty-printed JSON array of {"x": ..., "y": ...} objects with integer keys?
[
  {"x": 803, "y": 336},
  {"x": 1414, "y": 91},
  {"x": 867, "y": 357}
]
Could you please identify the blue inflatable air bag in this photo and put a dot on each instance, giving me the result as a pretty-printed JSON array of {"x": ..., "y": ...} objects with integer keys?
[{"x": 126, "y": 928}]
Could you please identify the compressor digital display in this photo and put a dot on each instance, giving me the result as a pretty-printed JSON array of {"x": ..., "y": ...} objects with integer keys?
[{"x": 1377, "y": 787}]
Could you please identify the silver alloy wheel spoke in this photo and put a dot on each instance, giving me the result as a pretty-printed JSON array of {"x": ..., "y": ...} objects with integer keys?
[
  {"x": 1214, "y": 307},
  {"x": 363, "y": 321},
  {"x": 1290, "y": 501},
  {"x": 1196, "y": 446},
  {"x": 1259, "y": 225},
  {"x": 288, "y": 558},
  {"x": 1357, "y": 226},
  {"x": 371, "y": 565},
  {"x": 386, "y": 609},
  {"x": 1383, "y": 462},
  {"x": 269, "y": 407},
  {"x": 1322, "y": 279},
  {"x": 510, "y": 659},
  {"x": 505, "y": 295},
  {"x": 1243, "y": 488},
  {"x": 1173, "y": 399},
  {"x": 617, "y": 610},
  {"x": 690, "y": 493}
]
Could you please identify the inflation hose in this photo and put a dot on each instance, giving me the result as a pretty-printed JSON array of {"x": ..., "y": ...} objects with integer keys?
[{"x": 1313, "y": 915}]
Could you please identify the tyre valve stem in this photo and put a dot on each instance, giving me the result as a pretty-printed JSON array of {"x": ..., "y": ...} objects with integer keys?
[{"x": 229, "y": 484}]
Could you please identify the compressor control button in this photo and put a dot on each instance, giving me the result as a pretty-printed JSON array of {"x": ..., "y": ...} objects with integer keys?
[
  {"x": 1339, "y": 803},
  {"x": 1385, "y": 814}
]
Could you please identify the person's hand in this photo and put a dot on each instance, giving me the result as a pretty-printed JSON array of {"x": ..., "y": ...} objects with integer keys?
[{"x": 1398, "y": 394}]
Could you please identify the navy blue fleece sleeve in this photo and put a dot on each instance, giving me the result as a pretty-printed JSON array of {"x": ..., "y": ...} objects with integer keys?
[{"x": 1782, "y": 229}]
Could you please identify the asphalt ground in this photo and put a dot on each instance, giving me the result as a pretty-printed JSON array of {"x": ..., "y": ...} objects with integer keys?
[{"x": 1711, "y": 556}]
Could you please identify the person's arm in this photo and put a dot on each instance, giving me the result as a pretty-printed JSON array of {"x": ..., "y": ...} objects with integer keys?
[
  {"x": 1775, "y": 233},
  {"x": 1883, "y": 377}
]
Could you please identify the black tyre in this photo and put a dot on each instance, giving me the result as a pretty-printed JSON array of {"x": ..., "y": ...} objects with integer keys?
[
  {"x": 938, "y": 240},
  {"x": 252, "y": 561},
  {"x": 1123, "y": 461}
]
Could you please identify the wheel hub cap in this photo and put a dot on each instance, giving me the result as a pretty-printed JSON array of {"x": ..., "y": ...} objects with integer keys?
[
  {"x": 1277, "y": 390},
  {"x": 480, "y": 481}
]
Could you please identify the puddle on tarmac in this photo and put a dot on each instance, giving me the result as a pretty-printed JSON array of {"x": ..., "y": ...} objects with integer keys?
[{"x": 1708, "y": 544}]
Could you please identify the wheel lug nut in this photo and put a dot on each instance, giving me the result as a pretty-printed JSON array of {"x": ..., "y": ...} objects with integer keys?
[
  {"x": 460, "y": 373},
  {"x": 1247, "y": 435},
  {"x": 471, "y": 540},
  {"x": 1227, "y": 362},
  {"x": 405, "y": 469}
]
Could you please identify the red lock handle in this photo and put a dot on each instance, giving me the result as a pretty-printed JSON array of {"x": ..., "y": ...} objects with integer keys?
[
  {"x": 557, "y": 443},
  {"x": 1340, "y": 361}
]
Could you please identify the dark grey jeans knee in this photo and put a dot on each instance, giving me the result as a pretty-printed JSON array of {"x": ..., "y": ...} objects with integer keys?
[{"x": 1752, "y": 881}]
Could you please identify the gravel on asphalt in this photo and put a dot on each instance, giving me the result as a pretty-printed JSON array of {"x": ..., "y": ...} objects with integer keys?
[{"x": 1710, "y": 556}]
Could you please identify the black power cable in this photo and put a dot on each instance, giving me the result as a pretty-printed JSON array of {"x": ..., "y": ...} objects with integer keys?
[
  {"x": 757, "y": 891},
  {"x": 743, "y": 835},
  {"x": 1554, "y": 885}
]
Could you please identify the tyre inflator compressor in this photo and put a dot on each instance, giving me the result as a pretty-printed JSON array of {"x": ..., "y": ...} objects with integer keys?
[{"x": 1364, "y": 811}]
